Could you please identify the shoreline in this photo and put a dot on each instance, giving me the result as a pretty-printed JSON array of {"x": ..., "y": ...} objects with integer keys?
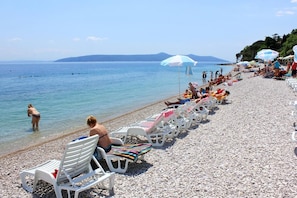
[
  {"x": 109, "y": 123},
  {"x": 82, "y": 131},
  {"x": 61, "y": 117}
]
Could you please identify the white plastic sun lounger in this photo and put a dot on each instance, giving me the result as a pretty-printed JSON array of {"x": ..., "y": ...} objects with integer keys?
[
  {"x": 156, "y": 129},
  {"x": 72, "y": 173}
]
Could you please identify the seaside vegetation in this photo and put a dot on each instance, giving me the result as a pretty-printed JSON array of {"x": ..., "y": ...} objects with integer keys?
[{"x": 283, "y": 45}]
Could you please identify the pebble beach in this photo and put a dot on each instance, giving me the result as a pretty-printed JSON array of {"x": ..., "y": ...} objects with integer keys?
[{"x": 243, "y": 150}]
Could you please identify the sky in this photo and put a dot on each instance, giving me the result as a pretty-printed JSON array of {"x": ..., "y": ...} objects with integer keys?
[{"x": 53, "y": 29}]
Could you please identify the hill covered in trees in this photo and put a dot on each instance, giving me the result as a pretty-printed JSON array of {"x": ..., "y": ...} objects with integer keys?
[{"x": 283, "y": 45}]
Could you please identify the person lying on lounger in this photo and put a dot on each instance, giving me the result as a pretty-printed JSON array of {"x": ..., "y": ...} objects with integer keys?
[
  {"x": 178, "y": 102},
  {"x": 221, "y": 94},
  {"x": 187, "y": 97},
  {"x": 187, "y": 94},
  {"x": 183, "y": 101}
]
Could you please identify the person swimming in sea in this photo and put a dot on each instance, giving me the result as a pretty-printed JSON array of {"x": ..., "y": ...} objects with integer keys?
[{"x": 32, "y": 112}]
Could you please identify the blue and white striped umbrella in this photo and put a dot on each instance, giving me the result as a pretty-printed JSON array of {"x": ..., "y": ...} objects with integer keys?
[{"x": 267, "y": 55}]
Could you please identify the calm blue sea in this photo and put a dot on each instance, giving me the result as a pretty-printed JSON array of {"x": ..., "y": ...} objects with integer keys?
[{"x": 66, "y": 93}]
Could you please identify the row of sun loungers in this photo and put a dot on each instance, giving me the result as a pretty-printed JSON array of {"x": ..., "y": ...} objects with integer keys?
[
  {"x": 169, "y": 123},
  {"x": 292, "y": 83},
  {"x": 74, "y": 172}
]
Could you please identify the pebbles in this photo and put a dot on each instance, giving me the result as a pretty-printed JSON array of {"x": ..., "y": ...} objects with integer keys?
[{"x": 245, "y": 150}]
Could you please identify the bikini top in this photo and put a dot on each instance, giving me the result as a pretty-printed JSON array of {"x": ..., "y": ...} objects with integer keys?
[{"x": 103, "y": 135}]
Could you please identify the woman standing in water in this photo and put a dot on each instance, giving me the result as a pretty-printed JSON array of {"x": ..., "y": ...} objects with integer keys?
[{"x": 35, "y": 116}]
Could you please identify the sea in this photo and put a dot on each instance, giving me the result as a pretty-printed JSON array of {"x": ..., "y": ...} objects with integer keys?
[{"x": 65, "y": 93}]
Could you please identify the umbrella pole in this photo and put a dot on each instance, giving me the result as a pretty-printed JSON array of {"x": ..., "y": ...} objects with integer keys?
[{"x": 178, "y": 83}]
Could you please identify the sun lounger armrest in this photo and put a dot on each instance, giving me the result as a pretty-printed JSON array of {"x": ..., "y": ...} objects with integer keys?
[{"x": 116, "y": 141}]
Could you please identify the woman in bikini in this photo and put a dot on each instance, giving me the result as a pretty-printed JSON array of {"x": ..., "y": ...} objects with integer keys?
[
  {"x": 96, "y": 128},
  {"x": 35, "y": 116}
]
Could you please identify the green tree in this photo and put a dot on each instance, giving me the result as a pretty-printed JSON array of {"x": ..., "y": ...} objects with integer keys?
[{"x": 282, "y": 44}]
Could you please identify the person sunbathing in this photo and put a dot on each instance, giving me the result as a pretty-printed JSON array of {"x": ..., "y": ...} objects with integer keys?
[
  {"x": 96, "y": 128},
  {"x": 187, "y": 94},
  {"x": 183, "y": 101},
  {"x": 220, "y": 94},
  {"x": 178, "y": 102}
]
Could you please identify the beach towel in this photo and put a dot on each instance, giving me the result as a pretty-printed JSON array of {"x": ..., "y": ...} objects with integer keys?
[
  {"x": 130, "y": 151},
  {"x": 79, "y": 138}
]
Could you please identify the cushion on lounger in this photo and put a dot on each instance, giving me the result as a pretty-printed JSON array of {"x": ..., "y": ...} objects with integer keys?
[
  {"x": 168, "y": 113},
  {"x": 131, "y": 151},
  {"x": 146, "y": 124}
]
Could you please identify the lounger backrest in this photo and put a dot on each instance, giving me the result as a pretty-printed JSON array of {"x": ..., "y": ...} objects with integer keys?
[
  {"x": 159, "y": 119},
  {"x": 183, "y": 109},
  {"x": 167, "y": 114},
  {"x": 77, "y": 158},
  {"x": 149, "y": 125},
  {"x": 180, "y": 110},
  {"x": 190, "y": 106}
]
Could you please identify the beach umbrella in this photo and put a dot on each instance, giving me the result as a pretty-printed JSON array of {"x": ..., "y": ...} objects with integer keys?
[
  {"x": 295, "y": 53},
  {"x": 178, "y": 61},
  {"x": 267, "y": 55}
]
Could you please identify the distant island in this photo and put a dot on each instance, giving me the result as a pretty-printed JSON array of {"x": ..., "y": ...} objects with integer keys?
[{"x": 142, "y": 57}]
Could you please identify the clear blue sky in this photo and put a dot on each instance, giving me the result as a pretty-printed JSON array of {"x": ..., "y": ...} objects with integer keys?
[{"x": 54, "y": 29}]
